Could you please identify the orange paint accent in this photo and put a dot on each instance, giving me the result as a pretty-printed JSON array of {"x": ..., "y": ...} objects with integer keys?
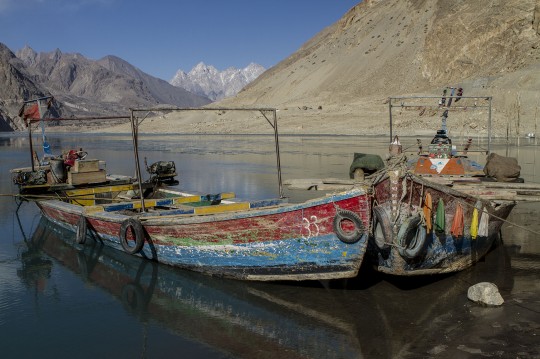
[
  {"x": 427, "y": 209},
  {"x": 457, "y": 223},
  {"x": 454, "y": 167}
]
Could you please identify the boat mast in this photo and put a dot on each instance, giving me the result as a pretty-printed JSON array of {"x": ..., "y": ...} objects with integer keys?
[{"x": 134, "y": 137}]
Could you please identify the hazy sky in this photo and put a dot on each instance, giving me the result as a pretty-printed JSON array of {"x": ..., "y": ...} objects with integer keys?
[{"x": 162, "y": 36}]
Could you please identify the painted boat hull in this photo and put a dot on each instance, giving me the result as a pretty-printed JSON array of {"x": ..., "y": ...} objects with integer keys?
[
  {"x": 288, "y": 242},
  {"x": 443, "y": 251}
]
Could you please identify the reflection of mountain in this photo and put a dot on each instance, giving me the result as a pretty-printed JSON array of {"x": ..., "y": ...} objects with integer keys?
[{"x": 365, "y": 317}]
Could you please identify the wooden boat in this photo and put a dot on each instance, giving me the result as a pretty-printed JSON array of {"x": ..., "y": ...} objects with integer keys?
[
  {"x": 437, "y": 211},
  {"x": 257, "y": 240},
  {"x": 324, "y": 238},
  {"x": 425, "y": 227},
  {"x": 440, "y": 211},
  {"x": 72, "y": 174}
]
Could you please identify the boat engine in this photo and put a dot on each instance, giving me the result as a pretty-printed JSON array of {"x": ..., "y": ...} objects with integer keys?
[
  {"x": 162, "y": 172},
  {"x": 29, "y": 178}
]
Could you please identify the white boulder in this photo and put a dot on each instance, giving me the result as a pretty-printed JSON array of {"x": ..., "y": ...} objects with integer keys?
[{"x": 485, "y": 293}]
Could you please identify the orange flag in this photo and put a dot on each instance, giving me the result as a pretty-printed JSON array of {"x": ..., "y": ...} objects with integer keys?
[
  {"x": 32, "y": 112},
  {"x": 428, "y": 208},
  {"x": 457, "y": 223}
]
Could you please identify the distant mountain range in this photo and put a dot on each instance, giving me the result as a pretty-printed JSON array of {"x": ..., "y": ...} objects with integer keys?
[
  {"x": 206, "y": 80},
  {"x": 108, "y": 86},
  {"x": 339, "y": 81}
]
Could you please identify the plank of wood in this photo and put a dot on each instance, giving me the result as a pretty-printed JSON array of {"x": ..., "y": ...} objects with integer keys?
[
  {"x": 338, "y": 181},
  {"x": 334, "y": 187},
  {"x": 229, "y": 207},
  {"x": 103, "y": 189},
  {"x": 81, "y": 166},
  {"x": 501, "y": 194},
  {"x": 317, "y": 181},
  {"x": 316, "y": 184},
  {"x": 200, "y": 198},
  {"x": 29, "y": 169},
  {"x": 303, "y": 182},
  {"x": 75, "y": 178},
  {"x": 506, "y": 185}
]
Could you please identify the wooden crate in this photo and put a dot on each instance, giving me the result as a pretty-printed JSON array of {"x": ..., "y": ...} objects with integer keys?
[
  {"x": 77, "y": 178},
  {"x": 85, "y": 166}
]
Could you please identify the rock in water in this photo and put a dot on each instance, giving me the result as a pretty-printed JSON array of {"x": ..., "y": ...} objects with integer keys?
[{"x": 485, "y": 293}]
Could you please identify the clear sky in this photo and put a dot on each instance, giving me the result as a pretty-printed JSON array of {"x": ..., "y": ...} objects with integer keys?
[{"x": 162, "y": 36}]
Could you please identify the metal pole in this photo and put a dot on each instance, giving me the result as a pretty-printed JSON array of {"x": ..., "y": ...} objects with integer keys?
[
  {"x": 276, "y": 137},
  {"x": 390, "y": 111},
  {"x": 29, "y": 124},
  {"x": 489, "y": 127},
  {"x": 134, "y": 135}
]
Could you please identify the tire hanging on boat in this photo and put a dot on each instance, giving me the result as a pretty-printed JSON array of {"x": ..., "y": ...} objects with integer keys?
[
  {"x": 348, "y": 237},
  {"x": 137, "y": 230},
  {"x": 411, "y": 237},
  {"x": 382, "y": 228},
  {"x": 80, "y": 236}
]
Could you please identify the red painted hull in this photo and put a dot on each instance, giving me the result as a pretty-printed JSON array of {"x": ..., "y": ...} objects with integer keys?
[{"x": 291, "y": 242}]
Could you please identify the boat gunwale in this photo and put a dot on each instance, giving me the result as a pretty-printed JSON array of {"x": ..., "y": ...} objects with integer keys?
[{"x": 115, "y": 216}]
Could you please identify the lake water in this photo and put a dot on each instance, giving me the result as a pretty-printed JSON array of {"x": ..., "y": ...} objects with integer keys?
[{"x": 60, "y": 300}]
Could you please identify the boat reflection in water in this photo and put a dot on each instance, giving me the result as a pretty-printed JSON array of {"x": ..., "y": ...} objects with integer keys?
[
  {"x": 374, "y": 317},
  {"x": 231, "y": 316}
]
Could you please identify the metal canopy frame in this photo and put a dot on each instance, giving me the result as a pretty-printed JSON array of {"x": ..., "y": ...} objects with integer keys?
[
  {"x": 28, "y": 121},
  {"x": 402, "y": 104},
  {"x": 135, "y": 123}
]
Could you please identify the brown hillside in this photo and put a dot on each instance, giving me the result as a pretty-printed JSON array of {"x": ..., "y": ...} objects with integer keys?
[
  {"x": 16, "y": 86},
  {"x": 338, "y": 82}
]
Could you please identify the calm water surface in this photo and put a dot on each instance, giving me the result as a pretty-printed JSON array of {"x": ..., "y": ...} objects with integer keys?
[{"x": 60, "y": 300}]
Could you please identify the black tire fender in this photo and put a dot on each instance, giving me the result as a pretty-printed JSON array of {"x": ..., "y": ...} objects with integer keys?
[
  {"x": 412, "y": 237},
  {"x": 348, "y": 237},
  {"x": 136, "y": 227},
  {"x": 382, "y": 228},
  {"x": 80, "y": 234}
]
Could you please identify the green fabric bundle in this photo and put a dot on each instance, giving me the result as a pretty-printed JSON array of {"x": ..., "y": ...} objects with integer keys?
[
  {"x": 368, "y": 163},
  {"x": 440, "y": 217}
]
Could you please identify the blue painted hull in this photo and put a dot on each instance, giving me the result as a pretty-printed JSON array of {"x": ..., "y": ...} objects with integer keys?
[
  {"x": 290, "y": 242},
  {"x": 441, "y": 250}
]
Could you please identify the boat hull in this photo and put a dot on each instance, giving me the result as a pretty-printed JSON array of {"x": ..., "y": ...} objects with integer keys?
[
  {"x": 288, "y": 242},
  {"x": 445, "y": 248}
]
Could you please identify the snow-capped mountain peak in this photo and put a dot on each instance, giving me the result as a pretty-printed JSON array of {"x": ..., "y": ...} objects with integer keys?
[{"x": 208, "y": 81}]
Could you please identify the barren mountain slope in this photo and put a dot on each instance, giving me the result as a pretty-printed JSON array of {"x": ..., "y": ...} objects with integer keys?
[
  {"x": 339, "y": 80},
  {"x": 16, "y": 86},
  {"x": 109, "y": 86}
]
